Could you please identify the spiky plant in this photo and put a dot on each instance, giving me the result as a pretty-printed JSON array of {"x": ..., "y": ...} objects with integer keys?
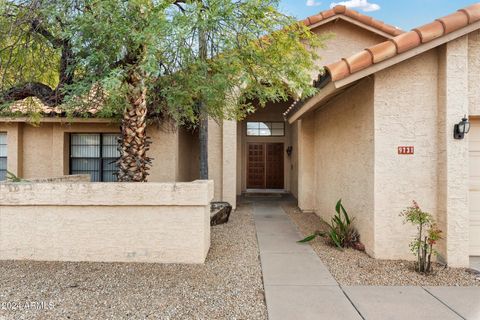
[{"x": 341, "y": 232}]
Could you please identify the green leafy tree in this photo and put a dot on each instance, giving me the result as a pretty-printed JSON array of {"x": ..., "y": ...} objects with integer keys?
[
  {"x": 36, "y": 58},
  {"x": 184, "y": 60}
]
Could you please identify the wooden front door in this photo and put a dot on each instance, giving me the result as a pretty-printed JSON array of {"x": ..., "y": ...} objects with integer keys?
[{"x": 265, "y": 166}]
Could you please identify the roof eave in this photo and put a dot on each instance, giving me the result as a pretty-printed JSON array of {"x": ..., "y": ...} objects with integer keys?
[
  {"x": 328, "y": 91},
  {"x": 406, "y": 55},
  {"x": 65, "y": 120}
]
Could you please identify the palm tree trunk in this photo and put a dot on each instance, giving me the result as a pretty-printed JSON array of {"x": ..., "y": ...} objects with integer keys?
[{"x": 133, "y": 162}]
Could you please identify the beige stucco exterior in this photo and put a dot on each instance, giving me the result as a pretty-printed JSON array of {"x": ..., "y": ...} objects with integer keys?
[
  {"x": 405, "y": 116},
  {"x": 351, "y": 144},
  {"x": 38, "y": 151},
  {"x": 344, "y": 158},
  {"x": 345, "y": 40},
  {"x": 107, "y": 222}
]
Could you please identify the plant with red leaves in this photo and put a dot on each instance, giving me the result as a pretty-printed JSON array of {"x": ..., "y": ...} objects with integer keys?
[{"x": 428, "y": 235}]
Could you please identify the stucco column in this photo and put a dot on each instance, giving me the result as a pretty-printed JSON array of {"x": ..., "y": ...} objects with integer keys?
[
  {"x": 453, "y": 180},
  {"x": 229, "y": 151},
  {"x": 306, "y": 164},
  {"x": 60, "y": 151},
  {"x": 15, "y": 148},
  {"x": 215, "y": 157}
]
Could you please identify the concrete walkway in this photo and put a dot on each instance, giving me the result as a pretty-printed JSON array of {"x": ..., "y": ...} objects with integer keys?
[{"x": 299, "y": 286}]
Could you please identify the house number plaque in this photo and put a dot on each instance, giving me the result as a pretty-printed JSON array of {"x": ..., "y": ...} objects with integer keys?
[{"x": 406, "y": 150}]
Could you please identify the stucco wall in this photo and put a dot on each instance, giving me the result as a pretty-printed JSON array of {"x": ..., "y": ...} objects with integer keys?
[
  {"x": 413, "y": 103},
  {"x": 453, "y": 167},
  {"x": 474, "y": 73},
  {"x": 229, "y": 165},
  {"x": 294, "y": 129},
  {"x": 306, "y": 164},
  {"x": 347, "y": 40},
  {"x": 164, "y": 151},
  {"x": 405, "y": 115},
  {"x": 43, "y": 151},
  {"x": 122, "y": 222},
  {"x": 222, "y": 159},
  {"x": 215, "y": 159},
  {"x": 344, "y": 158},
  {"x": 67, "y": 178},
  {"x": 188, "y": 156}
]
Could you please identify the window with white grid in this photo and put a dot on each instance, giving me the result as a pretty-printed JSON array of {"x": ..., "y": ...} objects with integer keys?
[{"x": 265, "y": 129}]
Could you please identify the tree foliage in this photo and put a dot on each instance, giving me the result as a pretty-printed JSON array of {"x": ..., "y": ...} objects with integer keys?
[
  {"x": 255, "y": 53},
  {"x": 57, "y": 50}
]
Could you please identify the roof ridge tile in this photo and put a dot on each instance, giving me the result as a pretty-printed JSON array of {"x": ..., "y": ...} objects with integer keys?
[
  {"x": 340, "y": 10},
  {"x": 454, "y": 21},
  {"x": 473, "y": 12},
  {"x": 430, "y": 31}
]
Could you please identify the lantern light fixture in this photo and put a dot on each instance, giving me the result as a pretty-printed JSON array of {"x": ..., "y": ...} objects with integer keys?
[
  {"x": 289, "y": 151},
  {"x": 461, "y": 128}
]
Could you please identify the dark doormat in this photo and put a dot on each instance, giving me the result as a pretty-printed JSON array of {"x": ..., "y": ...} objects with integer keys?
[{"x": 263, "y": 195}]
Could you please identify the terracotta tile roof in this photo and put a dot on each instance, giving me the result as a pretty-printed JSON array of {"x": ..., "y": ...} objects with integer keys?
[
  {"x": 404, "y": 42},
  {"x": 90, "y": 104},
  {"x": 343, "y": 10}
]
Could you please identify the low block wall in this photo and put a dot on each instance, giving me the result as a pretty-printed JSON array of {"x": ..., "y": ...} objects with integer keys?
[
  {"x": 69, "y": 178},
  {"x": 106, "y": 222}
]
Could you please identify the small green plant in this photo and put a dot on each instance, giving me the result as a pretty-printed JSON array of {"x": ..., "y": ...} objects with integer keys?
[
  {"x": 11, "y": 177},
  {"x": 427, "y": 236},
  {"x": 341, "y": 232}
]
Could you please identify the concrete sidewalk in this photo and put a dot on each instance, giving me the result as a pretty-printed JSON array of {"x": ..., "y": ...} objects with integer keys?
[{"x": 299, "y": 286}]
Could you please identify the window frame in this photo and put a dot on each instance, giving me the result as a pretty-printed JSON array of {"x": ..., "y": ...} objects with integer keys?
[
  {"x": 6, "y": 155},
  {"x": 100, "y": 158},
  {"x": 271, "y": 129}
]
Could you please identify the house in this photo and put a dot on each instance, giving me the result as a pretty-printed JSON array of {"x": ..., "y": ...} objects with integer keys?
[{"x": 403, "y": 94}]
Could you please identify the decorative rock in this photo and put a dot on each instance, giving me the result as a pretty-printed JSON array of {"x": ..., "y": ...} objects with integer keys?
[{"x": 219, "y": 213}]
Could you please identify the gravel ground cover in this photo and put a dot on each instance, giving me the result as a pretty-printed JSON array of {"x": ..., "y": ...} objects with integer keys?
[
  {"x": 228, "y": 286},
  {"x": 351, "y": 267}
]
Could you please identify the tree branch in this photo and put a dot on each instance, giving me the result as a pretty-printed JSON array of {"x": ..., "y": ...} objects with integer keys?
[
  {"x": 31, "y": 89},
  {"x": 38, "y": 28}
]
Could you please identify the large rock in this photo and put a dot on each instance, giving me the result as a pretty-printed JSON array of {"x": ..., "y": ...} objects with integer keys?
[{"x": 219, "y": 212}]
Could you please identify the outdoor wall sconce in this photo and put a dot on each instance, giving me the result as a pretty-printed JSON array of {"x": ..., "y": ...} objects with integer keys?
[
  {"x": 461, "y": 128},
  {"x": 289, "y": 151}
]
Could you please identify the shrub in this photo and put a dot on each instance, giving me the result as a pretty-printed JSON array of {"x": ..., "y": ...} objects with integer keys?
[
  {"x": 341, "y": 232},
  {"x": 427, "y": 236}
]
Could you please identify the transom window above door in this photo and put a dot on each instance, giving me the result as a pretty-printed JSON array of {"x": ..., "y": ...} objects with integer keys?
[
  {"x": 265, "y": 129},
  {"x": 95, "y": 154}
]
